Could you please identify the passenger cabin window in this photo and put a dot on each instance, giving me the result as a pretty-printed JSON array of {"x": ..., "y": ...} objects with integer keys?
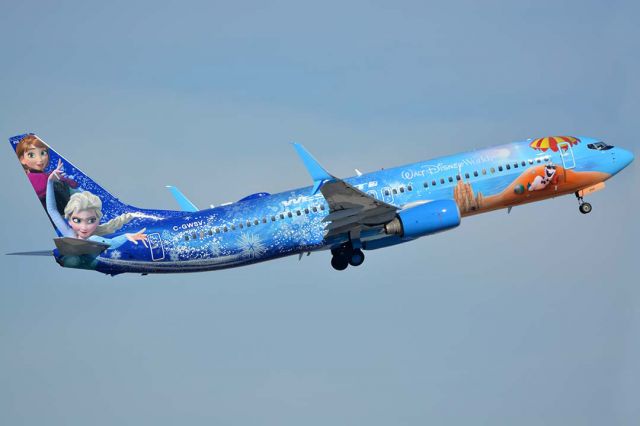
[
  {"x": 492, "y": 170},
  {"x": 434, "y": 183},
  {"x": 500, "y": 168},
  {"x": 442, "y": 181},
  {"x": 508, "y": 167},
  {"x": 524, "y": 164},
  {"x": 409, "y": 187},
  {"x": 466, "y": 175},
  {"x": 484, "y": 172},
  {"x": 450, "y": 179},
  {"x": 402, "y": 189},
  {"x": 475, "y": 174},
  {"x": 426, "y": 185},
  {"x": 395, "y": 191}
]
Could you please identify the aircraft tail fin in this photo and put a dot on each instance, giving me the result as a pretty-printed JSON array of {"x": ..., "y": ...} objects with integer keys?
[{"x": 39, "y": 162}]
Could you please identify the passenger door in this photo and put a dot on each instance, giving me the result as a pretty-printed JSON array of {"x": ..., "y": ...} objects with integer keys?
[
  {"x": 156, "y": 247},
  {"x": 566, "y": 154}
]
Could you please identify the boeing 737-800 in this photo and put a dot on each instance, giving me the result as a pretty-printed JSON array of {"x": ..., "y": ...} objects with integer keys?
[{"x": 344, "y": 216}]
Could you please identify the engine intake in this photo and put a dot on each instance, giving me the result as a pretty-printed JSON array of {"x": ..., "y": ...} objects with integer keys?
[{"x": 425, "y": 219}]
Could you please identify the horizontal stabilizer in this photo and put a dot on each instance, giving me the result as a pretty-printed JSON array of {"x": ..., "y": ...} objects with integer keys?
[
  {"x": 68, "y": 246},
  {"x": 317, "y": 172},
  {"x": 32, "y": 253},
  {"x": 183, "y": 202}
]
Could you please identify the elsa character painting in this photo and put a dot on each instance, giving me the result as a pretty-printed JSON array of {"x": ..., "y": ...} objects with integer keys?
[{"x": 82, "y": 216}]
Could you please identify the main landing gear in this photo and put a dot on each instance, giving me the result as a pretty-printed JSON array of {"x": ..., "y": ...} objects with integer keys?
[
  {"x": 346, "y": 255},
  {"x": 585, "y": 208}
]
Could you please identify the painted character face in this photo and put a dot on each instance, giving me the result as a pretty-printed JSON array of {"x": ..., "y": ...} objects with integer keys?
[
  {"x": 35, "y": 159},
  {"x": 550, "y": 170},
  {"x": 84, "y": 223}
]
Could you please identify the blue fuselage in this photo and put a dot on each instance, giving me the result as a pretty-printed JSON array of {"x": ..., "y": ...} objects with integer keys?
[{"x": 291, "y": 222}]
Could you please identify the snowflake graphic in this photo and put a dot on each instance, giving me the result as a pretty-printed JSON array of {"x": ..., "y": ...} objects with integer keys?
[
  {"x": 115, "y": 254},
  {"x": 251, "y": 245},
  {"x": 178, "y": 252},
  {"x": 215, "y": 248}
]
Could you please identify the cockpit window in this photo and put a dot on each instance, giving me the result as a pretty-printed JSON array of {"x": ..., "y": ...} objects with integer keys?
[{"x": 600, "y": 146}]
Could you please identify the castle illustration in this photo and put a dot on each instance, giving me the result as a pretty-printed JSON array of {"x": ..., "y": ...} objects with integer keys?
[{"x": 465, "y": 198}]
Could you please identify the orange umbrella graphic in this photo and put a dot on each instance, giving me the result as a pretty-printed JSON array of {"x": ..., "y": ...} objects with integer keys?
[{"x": 551, "y": 142}]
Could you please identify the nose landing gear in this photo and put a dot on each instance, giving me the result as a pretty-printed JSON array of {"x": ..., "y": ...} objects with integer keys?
[{"x": 584, "y": 207}]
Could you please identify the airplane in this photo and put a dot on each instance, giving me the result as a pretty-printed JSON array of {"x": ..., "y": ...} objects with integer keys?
[{"x": 347, "y": 217}]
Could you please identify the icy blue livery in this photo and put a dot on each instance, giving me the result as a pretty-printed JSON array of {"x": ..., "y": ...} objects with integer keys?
[{"x": 345, "y": 216}]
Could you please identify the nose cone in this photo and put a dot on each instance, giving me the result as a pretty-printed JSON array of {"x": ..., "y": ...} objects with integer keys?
[{"x": 624, "y": 158}]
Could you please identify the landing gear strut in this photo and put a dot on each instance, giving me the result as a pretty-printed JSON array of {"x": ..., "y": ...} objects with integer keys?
[
  {"x": 346, "y": 255},
  {"x": 585, "y": 208}
]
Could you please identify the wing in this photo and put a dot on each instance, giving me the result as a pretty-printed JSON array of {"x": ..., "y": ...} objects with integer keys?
[
  {"x": 183, "y": 201},
  {"x": 350, "y": 210}
]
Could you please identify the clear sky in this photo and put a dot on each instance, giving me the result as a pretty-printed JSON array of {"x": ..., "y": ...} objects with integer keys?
[{"x": 530, "y": 318}]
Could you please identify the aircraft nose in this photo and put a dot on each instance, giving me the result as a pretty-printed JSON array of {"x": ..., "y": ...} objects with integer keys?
[{"x": 624, "y": 158}]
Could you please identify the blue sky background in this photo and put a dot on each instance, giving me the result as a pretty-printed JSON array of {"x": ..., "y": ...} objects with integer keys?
[{"x": 531, "y": 318}]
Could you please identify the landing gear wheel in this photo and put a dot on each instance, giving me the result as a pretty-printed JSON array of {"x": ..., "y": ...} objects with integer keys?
[
  {"x": 585, "y": 208},
  {"x": 339, "y": 262},
  {"x": 357, "y": 258}
]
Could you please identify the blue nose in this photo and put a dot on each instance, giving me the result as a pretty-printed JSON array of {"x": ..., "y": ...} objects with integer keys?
[{"x": 624, "y": 158}]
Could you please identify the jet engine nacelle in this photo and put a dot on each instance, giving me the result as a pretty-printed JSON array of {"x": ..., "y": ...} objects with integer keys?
[{"x": 425, "y": 219}]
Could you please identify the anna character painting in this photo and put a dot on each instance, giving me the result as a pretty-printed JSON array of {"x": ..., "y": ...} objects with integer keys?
[{"x": 34, "y": 157}]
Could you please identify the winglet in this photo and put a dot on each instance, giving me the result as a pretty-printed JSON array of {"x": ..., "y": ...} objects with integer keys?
[
  {"x": 317, "y": 172},
  {"x": 183, "y": 201}
]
